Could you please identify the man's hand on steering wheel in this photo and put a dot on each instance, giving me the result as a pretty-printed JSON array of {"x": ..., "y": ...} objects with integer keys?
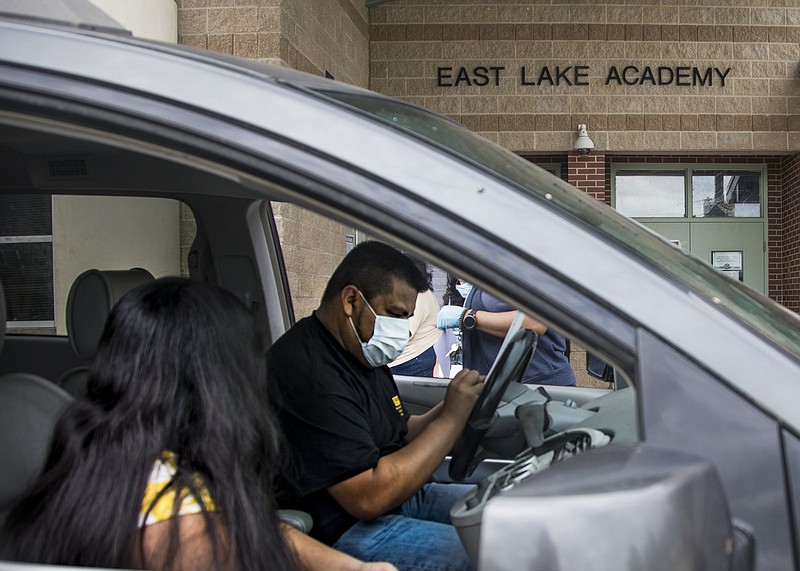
[
  {"x": 509, "y": 366},
  {"x": 462, "y": 393}
]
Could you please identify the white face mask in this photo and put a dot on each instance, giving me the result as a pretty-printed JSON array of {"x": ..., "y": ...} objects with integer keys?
[
  {"x": 464, "y": 289},
  {"x": 389, "y": 338}
]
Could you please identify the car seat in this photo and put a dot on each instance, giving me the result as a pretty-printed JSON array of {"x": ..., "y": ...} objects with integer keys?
[
  {"x": 29, "y": 408},
  {"x": 91, "y": 298},
  {"x": 30, "y": 405}
]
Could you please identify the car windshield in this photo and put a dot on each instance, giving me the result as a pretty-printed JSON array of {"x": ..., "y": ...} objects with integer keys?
[{"x": 767, "y": 317}]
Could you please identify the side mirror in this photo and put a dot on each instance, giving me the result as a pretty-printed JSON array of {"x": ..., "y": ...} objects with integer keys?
[
  {"x": 620, "y": 507},
  {"x": 599, "y": 369}
]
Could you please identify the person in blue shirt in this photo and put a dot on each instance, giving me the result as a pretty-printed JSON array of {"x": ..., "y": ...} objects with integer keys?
[{"x": 484, "y": 321}]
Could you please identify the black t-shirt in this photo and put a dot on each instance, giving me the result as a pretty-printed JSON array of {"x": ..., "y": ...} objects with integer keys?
[{"x": 338, "y": 417}]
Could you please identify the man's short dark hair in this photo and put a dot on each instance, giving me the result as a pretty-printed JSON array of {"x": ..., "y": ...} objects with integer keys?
[{"x": 373, "y": 267}]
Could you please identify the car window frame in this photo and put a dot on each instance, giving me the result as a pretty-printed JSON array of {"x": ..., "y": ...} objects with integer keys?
[{"x": 350, "y": 194}]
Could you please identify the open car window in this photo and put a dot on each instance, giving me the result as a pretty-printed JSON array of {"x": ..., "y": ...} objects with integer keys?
[{"x": 764, "y": 316}]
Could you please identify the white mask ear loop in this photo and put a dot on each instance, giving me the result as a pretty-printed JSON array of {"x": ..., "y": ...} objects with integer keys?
[
  {"x": 351, "y": 319},
  {"x": 368, "y": 305}
]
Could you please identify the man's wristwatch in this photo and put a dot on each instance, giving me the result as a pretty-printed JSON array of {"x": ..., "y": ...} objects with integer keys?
[{"x": 468, "y": 320}]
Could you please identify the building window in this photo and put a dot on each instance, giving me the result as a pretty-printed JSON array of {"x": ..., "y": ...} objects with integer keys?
[
  {"x": 26, "y": 260},
  {"x": 651, "y": 193},
  {"x": 728, "y": 192},
  {"x": 725, "y": 193}
]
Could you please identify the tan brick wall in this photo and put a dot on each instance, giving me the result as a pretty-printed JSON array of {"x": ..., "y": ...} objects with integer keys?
[
  {"x": 312, "y": 248},
  {"x": 327, "y": 35},
  {"x": 757, "y": 109},
  {"x": 396, "y": 47},
  {"x": 577, "y": 359},
  {"x": 310, "y": 35},
  {"x": 318, "y": 36},
  {"x": 314, "y": 36}
]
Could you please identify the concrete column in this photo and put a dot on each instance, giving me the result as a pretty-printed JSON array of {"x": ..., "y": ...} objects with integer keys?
[{"x": 149, "y": 19}]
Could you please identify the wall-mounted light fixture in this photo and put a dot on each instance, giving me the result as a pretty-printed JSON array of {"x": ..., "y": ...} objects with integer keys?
[{"x": 583, "y": 144}]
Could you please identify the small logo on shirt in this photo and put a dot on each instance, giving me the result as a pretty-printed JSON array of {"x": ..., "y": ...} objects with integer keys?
[{"x": 398, "y": 406}]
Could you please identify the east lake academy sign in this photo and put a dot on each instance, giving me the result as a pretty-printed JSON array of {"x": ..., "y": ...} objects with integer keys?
[{"x": 579, "y": 75}]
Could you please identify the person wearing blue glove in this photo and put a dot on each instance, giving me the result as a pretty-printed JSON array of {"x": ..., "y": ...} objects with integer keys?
[
  {"x": 449, "y": 317},
  {"x": 363, "y": 463},
  {"x": 484, "y": 321}
]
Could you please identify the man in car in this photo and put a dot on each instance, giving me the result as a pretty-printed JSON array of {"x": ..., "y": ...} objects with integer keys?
[{"x": 361, "y": 464}]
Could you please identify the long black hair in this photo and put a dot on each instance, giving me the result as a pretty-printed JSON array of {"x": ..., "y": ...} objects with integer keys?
[
  {"x": 423, "y": 267},
  {"x": 451, "y": 295},
  {"x": 179, "y": 368}
]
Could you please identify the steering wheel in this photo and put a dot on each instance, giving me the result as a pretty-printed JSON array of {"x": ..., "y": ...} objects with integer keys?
[{"x": 509, "y": 366}]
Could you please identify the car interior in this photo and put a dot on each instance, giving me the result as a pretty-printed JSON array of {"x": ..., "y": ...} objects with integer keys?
[{"x": 515, "y": 431}]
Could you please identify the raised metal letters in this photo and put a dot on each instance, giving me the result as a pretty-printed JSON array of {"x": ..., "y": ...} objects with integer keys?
[{"x": 579, "y": 76}]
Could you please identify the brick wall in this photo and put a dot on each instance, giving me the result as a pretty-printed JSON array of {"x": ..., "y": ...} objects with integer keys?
[
  {"x": 776, "y": 280},
  {"x": 312, "y": 247},
  {"x": 588, "y": 173},
  {"x": 327, "y": 35},
  {"x": 188, "y": 230},
  {"x": 756, "y": 109},
  {"x": 396, "y": 47},
  {"x": 318, "y": 36},
  {"x": 791, "y": 214},
  {"x": 314, "y": 36}
]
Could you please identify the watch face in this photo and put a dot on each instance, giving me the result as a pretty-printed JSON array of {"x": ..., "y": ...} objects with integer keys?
[{"x": 469, "y": 321}]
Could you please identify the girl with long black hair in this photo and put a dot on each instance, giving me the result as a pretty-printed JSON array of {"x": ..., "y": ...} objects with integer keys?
[{"x": 169, "y": 461}]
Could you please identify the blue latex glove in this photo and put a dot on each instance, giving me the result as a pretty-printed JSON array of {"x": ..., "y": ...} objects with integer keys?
[{"x": 449, "y": 317}]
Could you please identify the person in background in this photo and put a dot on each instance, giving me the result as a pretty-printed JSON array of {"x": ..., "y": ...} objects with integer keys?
[
  {"x": 484, "y": 321},
  {"x": 448, "y": 348},
  {"x": 456, "y": 291},
  {"x": 168, "y": 461},
  {"x": 418, "y": 359}
]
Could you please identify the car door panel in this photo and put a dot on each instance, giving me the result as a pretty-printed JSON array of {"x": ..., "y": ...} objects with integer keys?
[
  {"x": 686, "y": 406},
  {"x": 420, "y": 394}
]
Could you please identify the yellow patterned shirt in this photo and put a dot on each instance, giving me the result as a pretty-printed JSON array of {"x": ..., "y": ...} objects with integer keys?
[{"x": 164, "y": 470}]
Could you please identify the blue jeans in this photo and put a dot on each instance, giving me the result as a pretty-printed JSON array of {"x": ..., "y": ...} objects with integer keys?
[
  {"x": 419, "y": 538},
  {"x": 420, "y": 366}
]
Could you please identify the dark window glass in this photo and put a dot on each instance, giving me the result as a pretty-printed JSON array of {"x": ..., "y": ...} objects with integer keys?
[
  {"x": 26, "y": 271},
  {"x": 26, "y": 258},
  {"x": 26, "y": 216},
  {"x": 721, "y": 193}
]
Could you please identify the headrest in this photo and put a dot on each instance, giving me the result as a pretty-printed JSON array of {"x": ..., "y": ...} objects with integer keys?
[
  {"x": 91, "y": 298},
  {"x": 29, "y": 409}
]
